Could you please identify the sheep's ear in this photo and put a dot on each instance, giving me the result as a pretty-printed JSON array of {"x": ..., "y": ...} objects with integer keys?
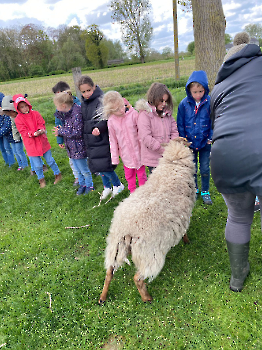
[
  {"x": 164, "y": 144},
  {"x": 183, "y": 140}
]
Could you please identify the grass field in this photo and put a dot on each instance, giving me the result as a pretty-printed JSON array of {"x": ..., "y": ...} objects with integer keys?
[{"x": 51, "y": 276}]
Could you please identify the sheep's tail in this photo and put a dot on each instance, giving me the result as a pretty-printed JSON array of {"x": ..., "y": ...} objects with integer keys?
[{"x": 116, "y": 252}]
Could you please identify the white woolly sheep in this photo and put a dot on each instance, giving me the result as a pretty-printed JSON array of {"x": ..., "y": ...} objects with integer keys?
[{"x": 153, "y": 219}]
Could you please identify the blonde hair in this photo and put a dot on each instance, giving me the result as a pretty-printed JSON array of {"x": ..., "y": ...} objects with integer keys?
[
  {"x": 110, "y": 100},
  {"x": 155, "y": 95},
  {"x": 64, "y": 97}
]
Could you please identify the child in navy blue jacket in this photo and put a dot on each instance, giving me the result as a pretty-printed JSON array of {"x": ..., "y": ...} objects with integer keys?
[{"x": 194, "y": 124}]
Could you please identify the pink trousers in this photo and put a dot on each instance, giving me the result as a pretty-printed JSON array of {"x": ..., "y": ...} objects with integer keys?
[{"x": 130, "y": 175}]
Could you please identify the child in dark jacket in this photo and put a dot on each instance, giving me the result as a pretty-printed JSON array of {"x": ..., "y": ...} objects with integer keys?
[
  {"x": 96, "y": 137},
  {"x": 72, "y": 133},
  {"x": 194, "y": 124}
]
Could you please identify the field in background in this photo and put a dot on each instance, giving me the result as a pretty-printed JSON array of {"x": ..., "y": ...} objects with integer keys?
[{"x": 36, "y": 87}]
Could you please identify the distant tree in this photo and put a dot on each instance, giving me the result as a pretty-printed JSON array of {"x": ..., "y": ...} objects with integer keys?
[
  {"x": 133, "y": 16},
  {"x": 228, "y": 38},
  {"x": 96, "y": 50},
  {"x": 115, "y": 49},
  {"x": 36, "y": 47},
  {"x": 254, "y": 30},
  {"x": 167, "y": 52},
  {"x": 11, "y": 60},
  {"x": 191, "y": 47}
]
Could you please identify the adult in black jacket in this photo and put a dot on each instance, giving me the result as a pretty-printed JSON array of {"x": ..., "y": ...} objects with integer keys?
[
  {"x": 236, "y": 154},
  {"x": 97, "y": 146}
]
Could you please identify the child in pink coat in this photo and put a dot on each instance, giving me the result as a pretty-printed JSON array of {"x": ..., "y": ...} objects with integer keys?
[
  {"x": 123, "y": 137},
  {"x": 156, "y": 125}
]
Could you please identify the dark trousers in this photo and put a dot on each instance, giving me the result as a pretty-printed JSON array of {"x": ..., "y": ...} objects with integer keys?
[{"x": 203, "y": 157}]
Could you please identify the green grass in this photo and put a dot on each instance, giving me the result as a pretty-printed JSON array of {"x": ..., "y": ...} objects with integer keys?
[{"x": 193, "y": 307}]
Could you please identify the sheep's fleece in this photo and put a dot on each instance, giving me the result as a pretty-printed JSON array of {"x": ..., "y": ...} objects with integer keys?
[{"x": 156, "y": 215}]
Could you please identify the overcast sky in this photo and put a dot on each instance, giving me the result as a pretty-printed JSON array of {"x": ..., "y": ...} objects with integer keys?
[{"x": 52, "y": 13}]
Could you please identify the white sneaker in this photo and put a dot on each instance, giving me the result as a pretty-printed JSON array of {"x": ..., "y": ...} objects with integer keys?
[
  {"x": 106, "y": 193},
  {"x": 118, "y": 189}
]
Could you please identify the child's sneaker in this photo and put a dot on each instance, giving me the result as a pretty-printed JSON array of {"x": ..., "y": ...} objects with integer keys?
[
  {"x": 107, "y": 191},
  {"x": 81, "y": 190},
  {"x": 19, "y": 168},
  {"x": 206, "y": 198},
  {"x": 118, "y": 189},
  {"x": 88, "y": 189},
  {"x": 257, "y": 205}
]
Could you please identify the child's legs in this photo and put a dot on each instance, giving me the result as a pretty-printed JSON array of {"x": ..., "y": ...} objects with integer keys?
[
  {"x": 75, "y": 173},
  {"x": 130, "y": 175},
  {"x": 81, "y": 179},
  {"x": 112, "y": 178},
  {"x": 105, "y": 178},
  {"x": 3, "y": 151},
  {"x": 17, "y": 156},
  {"x": 141, "y": 175},
  {"x": 51, "y": 162},
  {"x": 82, "y": 167},
  {"x": 18, "y": 149},
  {"x": 204, "y": 161},
  {"x": 9, "y": 151},
  {"x": 195, "y": 154},
  {"x": 37, "y": 165}
]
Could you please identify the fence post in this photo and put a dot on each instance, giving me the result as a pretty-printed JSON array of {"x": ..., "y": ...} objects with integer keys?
[{"x": 76, "y": 75}]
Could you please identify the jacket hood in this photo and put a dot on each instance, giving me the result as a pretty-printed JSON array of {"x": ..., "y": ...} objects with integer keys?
[
  {"x": 97, "y": 93},
  {"x": 200, "y": 77},
  {"x": 20, "y": 98},
  {"x": 1, "y": 98},
  {"x": 143, "y": 105},
  {"x": 236, "y": 61}
]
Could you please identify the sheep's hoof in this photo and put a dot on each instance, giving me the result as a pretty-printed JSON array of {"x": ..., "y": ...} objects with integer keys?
[
  {"x": 185, "y": 239},
  {"x": 148, "y": 300},
  {"x": 101, "y": 301}
]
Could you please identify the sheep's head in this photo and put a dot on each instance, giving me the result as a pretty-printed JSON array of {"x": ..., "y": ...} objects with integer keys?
[{"x": 177, "y": 150}]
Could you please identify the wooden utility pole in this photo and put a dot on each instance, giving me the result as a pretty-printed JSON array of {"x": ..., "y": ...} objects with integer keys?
[
  {"x": 177, "y": 74},
  {"x": 76, "y": 75}
]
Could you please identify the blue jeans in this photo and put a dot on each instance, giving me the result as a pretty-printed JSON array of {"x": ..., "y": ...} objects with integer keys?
[
  {"x": 84, "y": 174},
  {"x": 3, "y": 151},
  {"x": 9, "y": 152},
  {"x": 204, "y": 160},
  {"x": 18, "y": 149},
  {"x": 109, "y": 177},
  {"x": 240, "y": 216},
  {"x": 37, "y": 164}
]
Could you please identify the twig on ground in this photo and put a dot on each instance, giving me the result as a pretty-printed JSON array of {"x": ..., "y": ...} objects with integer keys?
[
  {"x": 50, "y": 301},
  {"x": 77, "y": 226}
]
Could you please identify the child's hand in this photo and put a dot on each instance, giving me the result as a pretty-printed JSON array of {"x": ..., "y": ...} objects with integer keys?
[
  {"x": 61, "y": 145},
  {"x": 96, "y": 132},
  {"x": 55, "y": 131},
  {"x": 209, "y": 142}
]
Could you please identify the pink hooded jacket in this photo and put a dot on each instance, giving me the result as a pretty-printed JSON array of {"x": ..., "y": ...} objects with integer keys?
[
  {"x": 153, "y": 131},
  {"x": 27, "y": 125},
  {"x": 123, "y": 137}
]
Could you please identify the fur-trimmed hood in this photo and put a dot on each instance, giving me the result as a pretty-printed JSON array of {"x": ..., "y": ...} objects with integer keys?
[{"x": 143, "y": 106}]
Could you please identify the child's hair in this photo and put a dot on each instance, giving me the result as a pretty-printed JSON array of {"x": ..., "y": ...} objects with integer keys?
[
  {"x": 60, "y": 86},
  {"x": 64, "y": 97},
  {"x": 110, "y": 100},
  {"x": 155, "y": 95},
  {"x": 194, "y": 83},
  {"x": 85, "y": 79}
]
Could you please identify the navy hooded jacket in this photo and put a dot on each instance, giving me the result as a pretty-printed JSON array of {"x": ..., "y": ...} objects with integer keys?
[{"x": 194, "y": 124}]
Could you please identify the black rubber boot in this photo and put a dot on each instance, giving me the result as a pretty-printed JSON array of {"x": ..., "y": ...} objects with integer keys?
[{"x": 238, "y": 256}]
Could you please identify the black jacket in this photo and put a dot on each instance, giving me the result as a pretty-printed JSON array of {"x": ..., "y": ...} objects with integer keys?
[
  {"x": 98, "y": 149},
  {"x": 236, "y": 113}
]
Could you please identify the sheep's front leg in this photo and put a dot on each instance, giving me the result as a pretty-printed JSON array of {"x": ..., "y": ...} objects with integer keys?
[
  {"x": 141, "y": 286},
  {"x": 109, "y": 276},
  {"x": 185, "y": 239}
]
